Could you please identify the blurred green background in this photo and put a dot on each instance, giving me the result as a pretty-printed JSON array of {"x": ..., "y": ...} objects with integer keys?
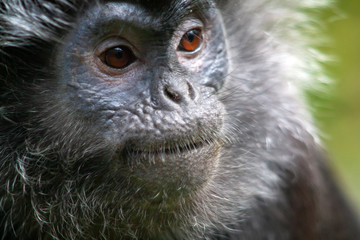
[{"x": 338, "y": 112}]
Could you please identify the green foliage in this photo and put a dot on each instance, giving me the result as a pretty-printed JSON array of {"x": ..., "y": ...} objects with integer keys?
[{"x": 338, "y": 111}]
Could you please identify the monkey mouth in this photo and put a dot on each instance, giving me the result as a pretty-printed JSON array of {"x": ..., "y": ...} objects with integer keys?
[
  {"x": 171, "y": 165},
  {"x": 167, "y": 148}
]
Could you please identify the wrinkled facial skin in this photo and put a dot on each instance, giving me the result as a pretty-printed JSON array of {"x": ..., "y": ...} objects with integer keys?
[{"x": 160, "y": 113}]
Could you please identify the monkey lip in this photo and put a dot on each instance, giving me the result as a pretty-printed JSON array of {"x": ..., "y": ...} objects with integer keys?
[{"x": 167, "y": 148}]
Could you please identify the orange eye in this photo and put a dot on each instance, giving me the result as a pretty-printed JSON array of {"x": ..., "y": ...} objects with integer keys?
[
  {"x": 118, "y": 57},
  {"x": 191, "y": 40}
]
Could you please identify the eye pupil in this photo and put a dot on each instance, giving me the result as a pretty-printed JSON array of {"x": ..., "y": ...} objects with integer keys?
[
  {"x": 190, "y": 36},
  {"x": 118, "y": 53},
  {"x": 117, "y": 57},
  {"x": 191, "y": 40}
]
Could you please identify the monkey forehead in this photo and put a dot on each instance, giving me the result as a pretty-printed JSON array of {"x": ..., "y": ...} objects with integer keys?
[{"x": 150, "y": 15}]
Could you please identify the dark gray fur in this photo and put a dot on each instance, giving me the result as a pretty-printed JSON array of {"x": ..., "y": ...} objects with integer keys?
[{"x": 271, "y": 180}]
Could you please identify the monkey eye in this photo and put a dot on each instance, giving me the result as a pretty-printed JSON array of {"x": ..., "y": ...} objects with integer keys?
[
  {"x": 118, "y": 57},
  {"x": 191, "y": 40}
]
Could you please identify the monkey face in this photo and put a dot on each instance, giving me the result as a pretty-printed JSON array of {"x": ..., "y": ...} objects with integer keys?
[{"x": 146, "y": 89}]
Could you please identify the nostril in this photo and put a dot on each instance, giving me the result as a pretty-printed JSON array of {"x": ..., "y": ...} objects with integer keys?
[
  {"x": 191, "y": 91},
  {"x": 172, "y": 95}
]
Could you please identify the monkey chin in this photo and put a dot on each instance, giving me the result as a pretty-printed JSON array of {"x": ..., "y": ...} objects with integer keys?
[{"x": 172, "y": 171}]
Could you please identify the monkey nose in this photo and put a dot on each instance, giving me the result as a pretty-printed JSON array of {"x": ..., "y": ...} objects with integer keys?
[
  {"x": 179, "y": 92},
  {"x": 172, "y": 94}
]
